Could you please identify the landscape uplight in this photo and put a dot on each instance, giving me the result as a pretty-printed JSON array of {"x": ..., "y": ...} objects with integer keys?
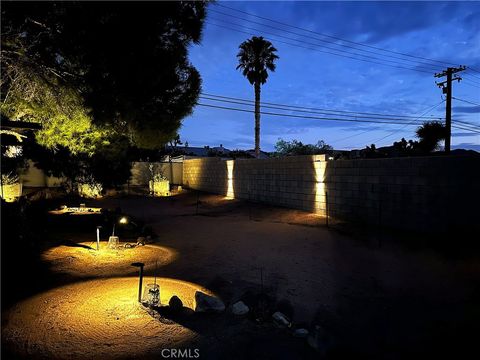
[{"x": 98, "y": 237}]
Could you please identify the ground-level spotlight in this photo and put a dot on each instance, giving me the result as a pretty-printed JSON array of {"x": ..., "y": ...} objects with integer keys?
[{"x": 151, "y": 295}]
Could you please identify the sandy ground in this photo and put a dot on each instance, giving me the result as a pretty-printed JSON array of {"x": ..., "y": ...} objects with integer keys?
[
  {"x": 83, "y": 259},
  {"x": 98, "y": 319},
  {"x": 374, "y": 301}
]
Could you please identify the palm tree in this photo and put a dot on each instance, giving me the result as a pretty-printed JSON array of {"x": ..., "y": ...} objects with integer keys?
[
  {"x": 255, "y": 57},
  {"x": 430, "y": 134}
]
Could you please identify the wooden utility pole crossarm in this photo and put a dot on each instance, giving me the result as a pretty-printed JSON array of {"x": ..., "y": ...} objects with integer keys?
[{"x": 447, "y": 89}]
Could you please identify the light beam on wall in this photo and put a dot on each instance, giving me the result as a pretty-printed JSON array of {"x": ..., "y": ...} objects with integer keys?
[
  {"x": 230, "y": 191},
  {"x": 320, "y": 195}
]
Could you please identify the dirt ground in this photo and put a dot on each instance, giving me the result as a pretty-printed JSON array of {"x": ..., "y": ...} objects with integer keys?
[{"x": 374, "y": 298}]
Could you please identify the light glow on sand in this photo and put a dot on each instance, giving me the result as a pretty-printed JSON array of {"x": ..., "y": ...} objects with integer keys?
[
  {"x": 103, "y": 313},
  {"x": 83, "y": 259}
]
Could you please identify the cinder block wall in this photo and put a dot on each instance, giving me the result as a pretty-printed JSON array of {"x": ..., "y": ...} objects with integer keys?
[
  {"x": 141, "y": 174},
  {"x": 290, "y": 182},
  {"x": 421, "y": 193},
  {"x": 429, "y": 194}
]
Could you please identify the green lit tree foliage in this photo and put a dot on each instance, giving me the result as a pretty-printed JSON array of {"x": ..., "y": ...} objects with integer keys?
[
  {"x": 119, "y": 66},
  {"x": 108, "y": 166},
  {"x": 36, "y": 93}
]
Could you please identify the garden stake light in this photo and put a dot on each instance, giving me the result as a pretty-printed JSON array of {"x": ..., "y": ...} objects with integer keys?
[
  {"x": 140, "y": 279},
  {"x": 113, "y": 241}
]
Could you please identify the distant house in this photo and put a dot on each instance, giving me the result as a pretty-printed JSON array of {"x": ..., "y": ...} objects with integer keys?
[
  {"x": 207, "y": 151},
  {"x": 262, "y": 155},
  {"x": 199, "y": 151}
]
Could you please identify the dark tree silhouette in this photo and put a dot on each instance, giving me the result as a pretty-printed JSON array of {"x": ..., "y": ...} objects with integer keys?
[
  {"x": 430, "y": 134},
  {"x": 295, "y": 147},
  {"x": 256, "y": 57},
  {"x": 128, "y": 60}
]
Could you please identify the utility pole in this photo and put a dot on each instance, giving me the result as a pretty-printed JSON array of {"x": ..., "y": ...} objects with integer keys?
[{"x": 446, "y": 86}]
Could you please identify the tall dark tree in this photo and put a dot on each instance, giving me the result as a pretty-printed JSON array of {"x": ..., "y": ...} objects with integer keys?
[
  {"x": 127, "y": 61},
  {"x": 256, "y": 57},
  {"x": 430, "y": 134}
]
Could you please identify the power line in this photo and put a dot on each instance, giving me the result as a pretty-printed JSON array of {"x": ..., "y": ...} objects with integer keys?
[
  {"x": 397, "y": 130},
  {"x": 318, "y": 39},
  {"x": 301, "y": 116},
  {"x": 286, "y": 108},
  {"x": 472, "y": 80},
  {"x": 318, "y": 50},
  {"x": 473, "y": 69},
  {"x": 462, "y": 127},
  {"x": 467, "y": 124},
  {"x": 315, "y": 108},
  {"x": 389, "y": 117},
  {"x": 351, "y": 136},
  {"x": 466, "y": 101},
  {"x": 338, "y": 38},
  {"x": 471, "y": 83}
]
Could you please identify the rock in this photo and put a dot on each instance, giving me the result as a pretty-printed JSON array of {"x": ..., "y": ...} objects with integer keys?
[
  {"x": 300, "y": 333},
  {"x": 175, "y": 304},
  {"x": 141, "y": 240},
  {"x": 239, "y": 308},
  {"x": 280, "y": 319},
  {"x": 128, "y": 246},
  {"x": 207, "y": 303}
]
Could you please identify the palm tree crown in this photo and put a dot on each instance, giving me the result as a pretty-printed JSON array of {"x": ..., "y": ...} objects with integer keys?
[
  {"x": 255, "y": 57},
  {"x": 430, "y": 135}
]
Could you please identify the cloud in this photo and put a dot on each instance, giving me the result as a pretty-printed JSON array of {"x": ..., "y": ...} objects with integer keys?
[
  {"x": 314, "y": 79},
  {"x": 463, "y": 134},
  {"x": 467, "y": 109}
]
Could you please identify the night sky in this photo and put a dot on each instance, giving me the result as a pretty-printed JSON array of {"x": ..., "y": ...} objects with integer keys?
[{"x": 435, "y": 30}]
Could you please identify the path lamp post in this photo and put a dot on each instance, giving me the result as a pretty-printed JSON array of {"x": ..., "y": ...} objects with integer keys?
[
  {"x": 140, "y": 279},
  {"x": 113, "y": 240}
]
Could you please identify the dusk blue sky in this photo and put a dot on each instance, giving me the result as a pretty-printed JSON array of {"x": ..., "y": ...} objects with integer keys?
[{"x": 447, "y": 31}]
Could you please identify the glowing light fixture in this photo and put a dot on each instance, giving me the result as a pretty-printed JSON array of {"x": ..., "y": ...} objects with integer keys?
[
  {"x": 113, "y": 241},
  {"x": 320, "y": 198},
  {"x": 98, "y": 237},
  {"x": 230, "y": 191}
]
